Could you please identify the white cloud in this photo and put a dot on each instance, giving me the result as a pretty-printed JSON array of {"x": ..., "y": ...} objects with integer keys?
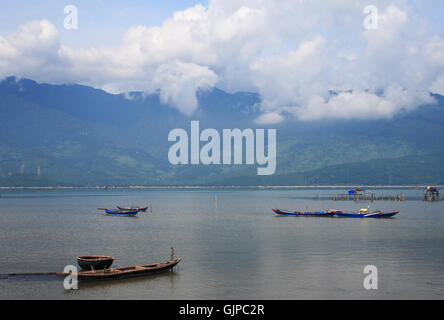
[
  {"x": 31, "y": 50},
  {"x": 361, "y": 105},
  {"x": 438, "y": 85},
  {"x": 292, "y": 52},
  {"x": 285, "y": 79},
  {"x": 7, "y": 52},
  {"x": 269, "y": 118},
  {"x": 178, "y": 83}
]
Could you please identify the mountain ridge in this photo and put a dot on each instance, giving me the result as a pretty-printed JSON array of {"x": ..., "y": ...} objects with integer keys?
[{"x": 79, "y": 135}]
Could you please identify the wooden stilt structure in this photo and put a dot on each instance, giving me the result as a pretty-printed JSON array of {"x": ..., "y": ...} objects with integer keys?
[
  {"x": 361, "y": 195},
  {"x": 431, "y": 194}
]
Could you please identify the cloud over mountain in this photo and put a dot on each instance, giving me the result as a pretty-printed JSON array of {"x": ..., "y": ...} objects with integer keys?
[{"x": 294, "y": 53}]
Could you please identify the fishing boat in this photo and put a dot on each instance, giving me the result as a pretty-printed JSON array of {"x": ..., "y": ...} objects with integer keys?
[
  {"x": 379, "y": 214},
  {"x": 127, "y": 272},
  {"x": 119, "y": 212},
  {"x": 364, "y": 213},
  {"x": 143, "y": 209},
  {"x": 107, "y": 273},
  {"x": 328, "y": 213},
  {"x": 95, "y": 262}
]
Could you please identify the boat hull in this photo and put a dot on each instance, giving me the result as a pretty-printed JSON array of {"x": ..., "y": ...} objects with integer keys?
[
  {"x": 303, "y": 214},
  {"x": 367, "y": 215},
  {"x": 142, "y": 209},
  {"x": 337, "y": 213},
  {"x": 122, "y": 212},
  {"x": 382, "y": 214},
  {"x": 349, "y": 215},
  {"x": 127, "y": 272}
]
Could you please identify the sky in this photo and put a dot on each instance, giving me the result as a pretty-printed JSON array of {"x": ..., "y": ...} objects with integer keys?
[
  {"x": 294, "y": 53},
  {"x": 100, "y": 22}
]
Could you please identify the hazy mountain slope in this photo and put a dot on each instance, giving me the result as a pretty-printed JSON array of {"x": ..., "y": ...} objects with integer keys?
[
  {"x": 80, "y": 135},
  {"x": 65, "y": 148},
  {"x": 402, "y": 171}
]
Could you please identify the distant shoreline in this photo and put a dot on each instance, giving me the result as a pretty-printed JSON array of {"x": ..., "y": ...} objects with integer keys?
[{"x": 227, "y": 187}]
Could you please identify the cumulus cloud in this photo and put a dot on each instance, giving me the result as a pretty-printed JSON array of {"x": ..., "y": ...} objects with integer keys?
[
  {"x": 362, "y": 105},
  {"x": 293, "y": 53},
  {"x": 31, "y": 50},
  {"x": 285, "y": 79},
  {"x": 178, "y": 83}
]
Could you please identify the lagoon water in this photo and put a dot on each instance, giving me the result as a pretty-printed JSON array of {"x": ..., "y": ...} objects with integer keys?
[{"x": 233, "y": 246}]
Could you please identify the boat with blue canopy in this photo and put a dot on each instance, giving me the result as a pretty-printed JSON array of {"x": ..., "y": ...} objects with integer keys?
[{"x": 118, "y": 212}]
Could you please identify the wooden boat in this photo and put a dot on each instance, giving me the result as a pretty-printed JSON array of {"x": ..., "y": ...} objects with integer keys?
[
  {"x": 364, "y": 213},
  {"x": 379, "y": 214},
  {"x": 122, "y": 212},
  {"x": 327, "y": 213},
  {"x": 127, "y": 272},
  {"x": 143, "y": 209},
  {"x": 95, "y": 262}
]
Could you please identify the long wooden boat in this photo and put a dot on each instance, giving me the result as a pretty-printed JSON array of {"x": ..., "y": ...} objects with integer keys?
[
  {"x": 127, "y": 272},
  {"x": 122, "y": 212},
  {"x": 143, "y": 209},
  {"x": 365, "y": 214},
  {"x": 378, "y": 214},
  {"x": 95, "y": 262},
  {"x": 328, "y": 213}
]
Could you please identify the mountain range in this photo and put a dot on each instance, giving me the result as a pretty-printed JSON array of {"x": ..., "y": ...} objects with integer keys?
[{"x": 77, "y": 135}]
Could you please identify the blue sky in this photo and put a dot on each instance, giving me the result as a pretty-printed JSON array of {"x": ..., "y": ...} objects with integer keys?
[
  {"x": 105, "y": 21},
  {"x": 100, "y": 22}
]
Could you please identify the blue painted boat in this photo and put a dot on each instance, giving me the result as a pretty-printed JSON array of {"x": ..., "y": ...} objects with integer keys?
[
  {"x": 364, "y": 213},
  {"x": 350, "y": 215},
  {"x": 328, "y": 213},
  {"x": 122, "y": 212},
  {"x": 378, "y": 214},
  {"x": 143, "y": 209}
]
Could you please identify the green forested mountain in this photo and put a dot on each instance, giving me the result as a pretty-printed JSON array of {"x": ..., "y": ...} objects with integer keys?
[{"x": 77, "y": 135}]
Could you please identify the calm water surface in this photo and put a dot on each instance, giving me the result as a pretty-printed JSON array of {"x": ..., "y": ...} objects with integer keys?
[{"x": 233, "y": 246}]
